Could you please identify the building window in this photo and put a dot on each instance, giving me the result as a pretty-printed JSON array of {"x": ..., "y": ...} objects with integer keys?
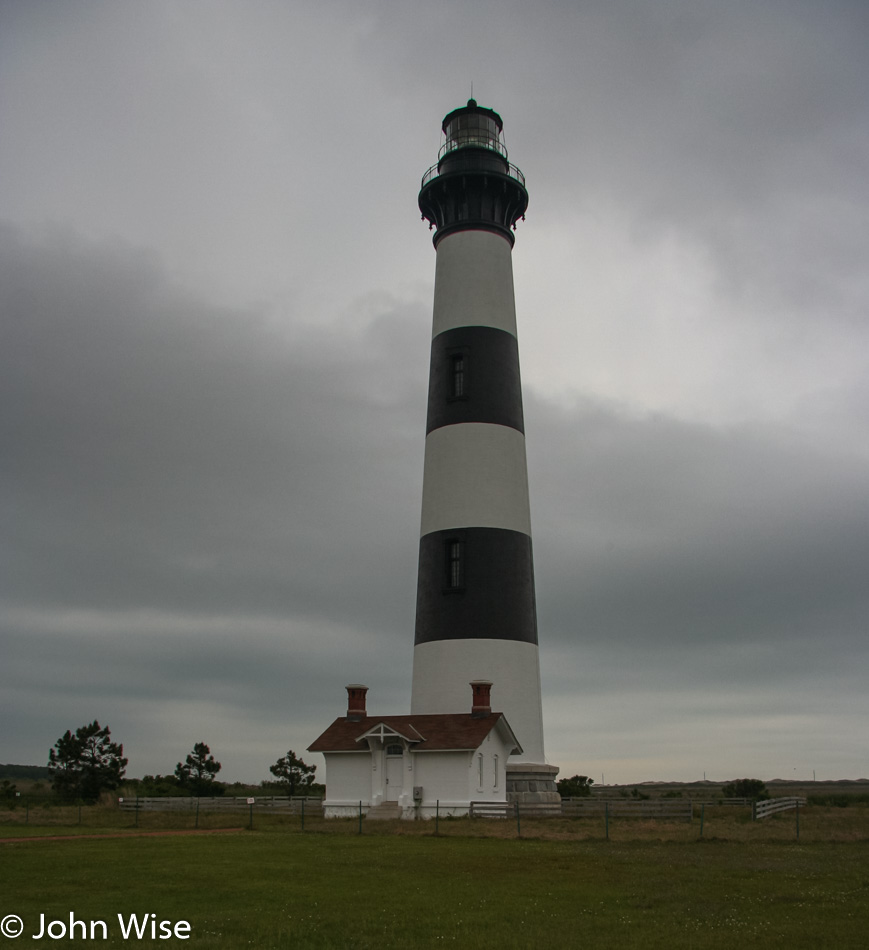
[
  {"x": 456, "y": 366},
  {"x": 457, "y": 376},
  {"x": 480, "y": 771},
  {"x": 455, "y": 564},
  {"x": 495, "y": 786},
  {"x": 394, "y": 750}
]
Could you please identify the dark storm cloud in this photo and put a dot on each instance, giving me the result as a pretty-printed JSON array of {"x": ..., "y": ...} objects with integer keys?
[
  {"x": 740, "y": 126},
  {"x": 193, "y": 500},
  {"x": 686, "y": 534},
  {"x": 196, "y": 443}
]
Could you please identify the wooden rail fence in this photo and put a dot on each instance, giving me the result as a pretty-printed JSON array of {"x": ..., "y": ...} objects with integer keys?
[
  {"x": 772, "y": 805},
  {"x": 676, "y": 809},
  {"x": 274, "y": 803},
  {"x": 669, "y": 808}
]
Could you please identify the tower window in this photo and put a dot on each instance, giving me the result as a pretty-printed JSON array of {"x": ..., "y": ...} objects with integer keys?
[
  {"x": 456, "y": 369},
  {"x": 457, "y": 376},
  {"x": 455, "y": 564}
]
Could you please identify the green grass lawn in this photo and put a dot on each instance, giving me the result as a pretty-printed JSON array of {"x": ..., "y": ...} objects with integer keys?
[{"x": 278, "y": 888}]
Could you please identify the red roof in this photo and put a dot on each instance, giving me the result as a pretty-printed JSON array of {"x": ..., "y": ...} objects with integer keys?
[{"x": 428, "y": 733}]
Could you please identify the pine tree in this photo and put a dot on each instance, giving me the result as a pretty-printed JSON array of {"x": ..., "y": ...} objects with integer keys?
[
  {"x": 198, "y": 771},
  {"x": 84, "y": 763},
  {"x": 292, "y": 772}
]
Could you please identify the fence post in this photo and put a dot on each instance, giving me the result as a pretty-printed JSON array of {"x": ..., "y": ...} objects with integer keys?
[
  {"x": 518, "y": 825},
  {"x": 79, "y": 814},
  {"x": 798, "y": 820},
  {"x": 606, "y": 819},
  {"x": 137, "y": 810},
  {"x": 702, "y": 810},
  {"x": 437, "y": 816},
  {"x": 303, "y": 814},
  {"x": 360, "y": 816},
  {"x": 196, "y": 822}
]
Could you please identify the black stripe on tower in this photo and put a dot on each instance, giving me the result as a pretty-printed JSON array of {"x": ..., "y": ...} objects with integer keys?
[
  {"x": 476, "y": 583},
  {"x": 474, "y": 377}
]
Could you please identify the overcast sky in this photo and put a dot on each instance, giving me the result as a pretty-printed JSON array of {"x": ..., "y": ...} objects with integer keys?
[{"x": 215, "y": 313}]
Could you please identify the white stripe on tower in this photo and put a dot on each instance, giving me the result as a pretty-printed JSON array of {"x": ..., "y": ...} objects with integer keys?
[
  {"x": 474, "y": 283},
  {"x": 475, "y": 475},
  {"x": 476, "y": 612}
]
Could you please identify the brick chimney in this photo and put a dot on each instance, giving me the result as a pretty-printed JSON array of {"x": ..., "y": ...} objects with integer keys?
[
  {"x": 356, "y": 702},
  {"x": 482, "y": 704}
]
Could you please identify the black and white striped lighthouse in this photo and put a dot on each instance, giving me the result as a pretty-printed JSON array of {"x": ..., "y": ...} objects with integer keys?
[{"x": 476, "y": 615}]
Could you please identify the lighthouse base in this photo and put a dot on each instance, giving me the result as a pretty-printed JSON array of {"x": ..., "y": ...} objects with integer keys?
[{"x": 534, "y": 785}]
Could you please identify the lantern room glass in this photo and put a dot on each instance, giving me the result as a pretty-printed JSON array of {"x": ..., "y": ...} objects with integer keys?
[{"x": 473, "y": 129}]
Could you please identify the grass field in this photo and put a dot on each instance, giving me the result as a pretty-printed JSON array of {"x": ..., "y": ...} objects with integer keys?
[{"x": 651, "y": 885}]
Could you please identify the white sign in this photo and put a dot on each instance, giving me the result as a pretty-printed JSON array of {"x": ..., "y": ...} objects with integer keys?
[{"x": 251, "y": 801}]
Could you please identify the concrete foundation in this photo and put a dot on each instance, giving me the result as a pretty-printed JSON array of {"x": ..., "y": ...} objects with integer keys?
[{"x": 534, "y": 785}]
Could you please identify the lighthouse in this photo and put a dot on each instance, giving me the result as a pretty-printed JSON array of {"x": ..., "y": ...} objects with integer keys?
[
  {"x": 476, "y": 618},
  {"x": 476, "y": 615}
]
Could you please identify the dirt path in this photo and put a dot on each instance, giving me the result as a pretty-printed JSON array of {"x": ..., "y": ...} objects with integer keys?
[{"x": 131, "y": 834}]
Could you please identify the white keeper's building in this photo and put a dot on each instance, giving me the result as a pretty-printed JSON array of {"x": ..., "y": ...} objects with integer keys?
[{"x": 414, "y": 766}]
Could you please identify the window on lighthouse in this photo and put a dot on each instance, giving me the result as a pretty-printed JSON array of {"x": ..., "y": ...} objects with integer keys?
[
  {"x": 455, "y": 564},
  {"x": 457, "y": 376}
]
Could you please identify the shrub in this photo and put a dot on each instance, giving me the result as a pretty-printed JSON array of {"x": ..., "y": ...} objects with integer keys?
[
  {"x": 746, "y": 788},
  {"x": 577, "y": 786}
]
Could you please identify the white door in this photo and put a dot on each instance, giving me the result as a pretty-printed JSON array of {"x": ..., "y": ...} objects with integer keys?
[{"x": 394, "y": 776}]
